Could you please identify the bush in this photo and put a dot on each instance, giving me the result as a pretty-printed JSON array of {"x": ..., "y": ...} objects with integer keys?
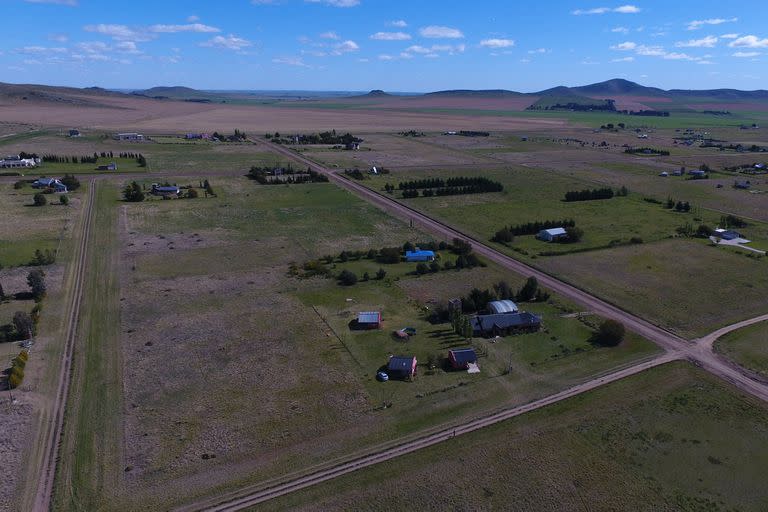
[
  {"x": 71, "y": 182},
  {"x": 610, "y": 333},
  {"x": 39, "y": 199},
  {"x": 422, "y": 268},
  {"x": 20, "y": 184},
  {"x": 36, "y": 282},
  {"x": 347, "y": 278},
  {"x": 133, "y": 193},
  {"x": 192, "y": 194},
  {"x": 64, "y": 199},
  {"x": 381, "y": 274}
]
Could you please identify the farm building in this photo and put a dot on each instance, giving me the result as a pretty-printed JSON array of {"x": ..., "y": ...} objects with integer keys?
[
  {"x": 401, "y": 367},
  {"x": 74, "y": 133},
  {"x": 53, "y": 183},
  {"x": 131, "y": 136},
  {"x": 461, "y": 358},
  {"x": 160, "y": 190},
  {"x": 16, "y": 162},
  {"x": 112, "y": 166},
  {"x": 742, "y": 184},
  {"x": 369, "y": 320},
  {"x": 727, "y": 234},
  {"x": 552, "y": 234},
  {"x": 500, "y": 307},
  {"x": 352, "y": 146},
  {"x": 195, "y": 136},
  {"x": 663, "y": 174},
  {"x": 696, "y": 173},
  {"x": 419, "y": 255},
  {"x": 499, "y": 325}
]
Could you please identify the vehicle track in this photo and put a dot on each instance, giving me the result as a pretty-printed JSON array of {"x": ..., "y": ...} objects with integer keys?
[{"x": 53, "y": 430}]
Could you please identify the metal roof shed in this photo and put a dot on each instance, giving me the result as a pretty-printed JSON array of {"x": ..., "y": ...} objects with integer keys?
[{"x": 502, "y": 306}]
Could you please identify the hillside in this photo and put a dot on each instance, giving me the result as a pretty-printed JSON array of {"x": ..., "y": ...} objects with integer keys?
[{"x": 470, "y": 93}]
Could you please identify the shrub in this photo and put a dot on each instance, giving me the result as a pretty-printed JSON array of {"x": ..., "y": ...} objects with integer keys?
[
  {"x": 610, "y": 333},
  {"x": 20, "y": 184},
  {"x": 39, "y": 199},
  {"x": 36, "y": 282},
  {"x": 192, "y": 194},
  {"x": 64, "y": 199},
  {"x": 422, "y": 268},
  {"x": 71, "y": 182},
  {"x": 133, "y": 193},
  {"x": 347, "y": 278},
  {"x": 381, "y": 274}
]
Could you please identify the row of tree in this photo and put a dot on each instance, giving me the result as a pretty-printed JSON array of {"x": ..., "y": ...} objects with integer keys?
[
  {"x": 678, "y": 206},
  {"x": 647, "y": 151},
  {"x": 456, "y": 181},
  {"x": 594, "y": 194},
  {"x": 273, "y": 176},
  {"x": 315, "y": 138}
]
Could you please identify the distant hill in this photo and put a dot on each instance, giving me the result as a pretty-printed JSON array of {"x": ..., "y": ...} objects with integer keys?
[
  {"x": 617, "y": 86},
  {"x": 177, "y": 93},
  {"x": 376, "y": 93},
  {"x": 89, "y": 96},
  {"x": 722, "y": 94},
  {"x": 469, "y": 93}
]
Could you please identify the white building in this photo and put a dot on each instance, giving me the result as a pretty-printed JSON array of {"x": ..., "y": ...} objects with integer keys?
[
  {"x": 550, "y": 235},
  {"x": 14, "y": 162},
  {"x": 132, "y": 136},
  {"x": 500, "y": 307}
]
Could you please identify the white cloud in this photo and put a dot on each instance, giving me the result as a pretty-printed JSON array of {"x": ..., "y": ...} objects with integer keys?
[
  {"x": 620, "y": 30},
  {"x": 230, "y": 42},
  {"x": 745, "y": 54},
  {"x": 291, "y": 61},
  {"x": 439, "y": 32},
  {"x": 336, "y": 3},
  {"x": 539, "y": 50},
  {"x": 70, "y": 3},
  {"x": 390, "y": 36},
  {"x": 93, "y": 47},
  {"x": 626, "y": 45},
  {"x": 398, "y": 24},
  {"x": 697, "y": 24},
  {"x": 191, "y": 27},
  {"x": 37, "y": 50},
  {"x": 622, "y": 9},
  {"x": 706, "y": 42},
  {"x": 729, "y": 36},
  {"x": 749, "y": 42},
  {"x": 119, "y": 32},
  {"x": 678, "y": 56},
  {"x": 193, "y": 18},
  {"x": 330, "y": 35},
  {"x": 624, "y": 59},
  {"x": 127, "y": 47},
  {"x": 497, "y": 43},
  {"x": 345, "y": 47},
  {"x": 59, "y": 38},
  {"x": 386, "y": 57}
]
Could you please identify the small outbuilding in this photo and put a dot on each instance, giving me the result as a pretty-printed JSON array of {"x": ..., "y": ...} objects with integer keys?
[
  {"x": 419, "y": 255},
  {"x": 500, "y": 307},
  {"x": 461, "y": 358},
  {"x": 74, "y": 133},
  {"x": 401, "y": 367},
  {"x": 165, "y": 190},
  {"x": 369, "y": 320},
  {"x": 727, "y": 234},
  {"x": 552, "y": 234},
  {"x": 112, "y": 166}
]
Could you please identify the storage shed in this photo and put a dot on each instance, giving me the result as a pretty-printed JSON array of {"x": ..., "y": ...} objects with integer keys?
[
  {"x": 419, "y": 255},
  {"x": 500, "y": 325},
  {"x": 461, "y": 358},
  {"x": 369, "y": 320},
  {"x": 552, "y": 234},
  {"x": 401, "y": 367},
  {"x": 499, "y": 307}
]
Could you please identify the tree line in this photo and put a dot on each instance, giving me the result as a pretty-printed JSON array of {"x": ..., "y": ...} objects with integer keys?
[
  {"x": 271, "y": 175},
  {"x": 594, "y": 194},
  {"x": 315, "y": 138},
  {"x": 647, "y": 151}
]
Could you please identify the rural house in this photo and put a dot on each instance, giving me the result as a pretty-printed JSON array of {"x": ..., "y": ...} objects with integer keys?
[
  {"x": 551, "y": 235},
  {"x": 500, "y": 325},
  {"x": 16, "y": 162},
  {"x": 131, "y": 136},
  {"x": 461, "y": 358},
  {"x": 500, "y": 307},
  {"x": 369, "y": 320},
  {"x": 419, "y": 255},
  {"x": 53, "y": 183},
  {"x": 401, "y": 367},
  {"x": 166, "y": 191},
  {"x": 74, "y": 133}
]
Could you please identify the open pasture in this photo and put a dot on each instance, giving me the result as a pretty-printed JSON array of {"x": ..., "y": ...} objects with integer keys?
[{"x": 748, "y": 347}]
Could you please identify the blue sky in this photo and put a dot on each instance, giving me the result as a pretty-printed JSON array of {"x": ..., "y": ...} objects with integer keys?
[{"x": 415, "y": 45}]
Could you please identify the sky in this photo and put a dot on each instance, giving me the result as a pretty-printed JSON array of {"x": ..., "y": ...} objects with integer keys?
[{"x": 394, "y": 45}]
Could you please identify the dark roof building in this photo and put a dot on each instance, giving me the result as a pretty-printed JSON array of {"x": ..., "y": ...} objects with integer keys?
[
  {"x": 499, "y": 325},
  {"x": 402, "y": 367},
  {"x": 460, "y": 358}
]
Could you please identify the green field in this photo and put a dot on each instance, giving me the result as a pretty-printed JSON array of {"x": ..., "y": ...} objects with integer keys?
[
  {"x": 672, "y": 438},
  {"x": 748, "y": 347}
]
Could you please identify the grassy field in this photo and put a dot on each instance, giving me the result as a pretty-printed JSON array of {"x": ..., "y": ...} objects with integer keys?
[
  {"x": 672, "y": 438},
  {"x": 249, "y": 353},
  {"x": 747, "y": 347},
  {"x": 682, "y": 285}
]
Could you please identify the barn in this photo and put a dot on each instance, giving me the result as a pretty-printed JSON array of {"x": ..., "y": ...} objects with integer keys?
[
  {"x": 508, "y": 323},
  {"x": 552, "y": 234},
  {"x": 461, "y": 358},
  {"x": 401, "y": 367},
  {"x": 419, "y": 255}
]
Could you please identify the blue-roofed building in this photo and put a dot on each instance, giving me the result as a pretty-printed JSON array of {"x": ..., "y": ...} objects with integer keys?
[
  {"x": 162, "y": 190},
  {"x": 401, "y": 367},
  {"x": 507, "y": 323},
  {"x": 461, "y": 358},
  {"x": 369, "y": 320},
  {"x": 419, "y": 255}
]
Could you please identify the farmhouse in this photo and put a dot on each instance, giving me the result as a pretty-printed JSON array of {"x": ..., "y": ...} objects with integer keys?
[
  {"x": 195, "y": 136},
  {"x": 369, "y": 320},
  {"x": 500, "y": 307},
  {"x": 727, "y": 234},
  {"x": 130, "y": 136},
  {"x": 112, "y": 166},
  {"x": 53, "y": 183},
  {"x": 160, "y": 190},
  {"x": 461, "y": 358},
  {"x": 74, "y": 133},
  {"x": 401, "y": 367},
  {"x": 550, "y": 235},
  {"x": 499, "y": 325},
  {"x": 419, "y": 255},
  {"x": 16, "y": 162}
]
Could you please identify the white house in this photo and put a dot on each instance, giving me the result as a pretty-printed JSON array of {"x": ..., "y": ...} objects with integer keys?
[
  {"x": 132, "y": 136},
  {"x": 14, "y": 162},
  {"x": 552, "y": 234}
]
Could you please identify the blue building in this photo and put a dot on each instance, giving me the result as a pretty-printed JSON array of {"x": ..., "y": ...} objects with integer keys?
[{"x": 419, "y": 255}]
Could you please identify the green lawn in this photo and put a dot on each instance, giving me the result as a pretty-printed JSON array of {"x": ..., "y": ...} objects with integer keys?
[
  {"x": 670, "y": 439},
  {"x": 747, "y": 347}
]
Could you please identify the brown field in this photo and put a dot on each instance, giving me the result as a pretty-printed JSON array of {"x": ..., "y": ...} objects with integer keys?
[{"x": 514, "y": 104}]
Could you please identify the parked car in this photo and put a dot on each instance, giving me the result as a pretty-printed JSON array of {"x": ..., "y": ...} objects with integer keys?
[{"x": 382, "y": 377}]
